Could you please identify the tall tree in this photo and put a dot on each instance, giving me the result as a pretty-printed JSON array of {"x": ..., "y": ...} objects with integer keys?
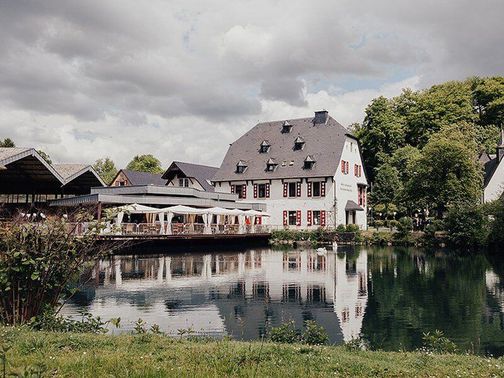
[
  {"x": 145, "y": 163},
  {"x": 382, "y": 132},
  {"x": 447, "y": 172},
  {"x": 7, "y": 142},
  {"x": 489, "y": 100},
  {"x": 387, "y": 186},
  {"x": 106, "y": 169}
]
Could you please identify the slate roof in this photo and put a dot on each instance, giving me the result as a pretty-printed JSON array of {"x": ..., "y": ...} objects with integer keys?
[
  {"x": 68, "y": 170},
  {"x": 324, "y": 142},
  {"x": 201, "y": 173},
  {"x": 143, "y": 178}
]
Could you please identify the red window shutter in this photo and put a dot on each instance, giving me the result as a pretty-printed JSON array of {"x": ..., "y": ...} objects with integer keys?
[
  {"x": 342, "y": 166},
  {"x": 285, "y": 218},
  {"x": 298, "y": 189},
  {"x": 323, "y": 218},
  {"x": 363, "y": 196},
  {"x": 309, "y": 217},
  {"x": 255, "y": 190},
  {"x": 355, "y": 170},
  {"x": 285, "y": 189},
  {"x": 258, "y": 220},
  {"x": 267, "y": 190},
  {"x": 244, "y": 191},
  {"x": 309, "y": 191},
  {"x": 322, "y": 189},
  {"x": 298, "y": 218},
  {"x": 232, "y": 189}
]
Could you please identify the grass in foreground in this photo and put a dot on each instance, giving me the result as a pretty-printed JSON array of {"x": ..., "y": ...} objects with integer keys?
[{"x": 88, "y": 355}]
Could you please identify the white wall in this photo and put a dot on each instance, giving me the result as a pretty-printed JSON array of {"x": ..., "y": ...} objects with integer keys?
[
  {"x": 193, "y": 183},
  {"x": 495, "y": 187}
]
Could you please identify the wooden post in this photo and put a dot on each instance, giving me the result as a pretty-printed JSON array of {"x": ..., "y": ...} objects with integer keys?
[{"x": 99, "y": 211}]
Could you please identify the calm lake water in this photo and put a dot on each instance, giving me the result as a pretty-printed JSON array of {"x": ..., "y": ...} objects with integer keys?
[{"x": 389, "y": 296}]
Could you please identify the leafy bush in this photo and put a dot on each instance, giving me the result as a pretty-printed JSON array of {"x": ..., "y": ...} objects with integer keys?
[
  {"x": 430, "y": 231},
  {"x": 37, "y": 261},
  {"x": 50, "y": 321},
  {"x": 356, "y": 344},
  {"x": 404, "y": 228},
  {"x": 314, "y": 334},
  {"x": 352, "y": 228},
  {"x": 436, "y": 342},
  {"x": 467, "y": 227},
  {"x": 341, "y": 228},
  {"x": 379, "y": 223},
  {"x": 285, "y": 333},
  {"x": 381, "y": 238}
]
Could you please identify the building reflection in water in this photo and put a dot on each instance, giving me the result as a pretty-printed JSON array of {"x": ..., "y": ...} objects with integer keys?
[{"x": 241, "y": 294}]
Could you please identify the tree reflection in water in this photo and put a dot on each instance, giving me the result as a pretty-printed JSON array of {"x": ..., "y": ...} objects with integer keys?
[{"x": 389, "y": 296}]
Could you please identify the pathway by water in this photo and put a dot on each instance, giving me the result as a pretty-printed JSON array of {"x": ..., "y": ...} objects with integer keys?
[{"x": 387, "y": 296}]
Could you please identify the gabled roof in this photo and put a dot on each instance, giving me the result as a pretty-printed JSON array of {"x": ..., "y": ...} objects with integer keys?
[
  {"x": 324, "y": 142},
  {"x": 142, "y": 178},
  {"x": 26, "y": 171},
  {"x": 79, "y": 175},
  {"x": 201, "y": 173}
]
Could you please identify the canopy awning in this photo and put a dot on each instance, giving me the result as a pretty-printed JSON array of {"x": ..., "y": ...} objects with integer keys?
[
  {"x": 256, "y": 213},
  {"x": 135, "y": 208},
  {"x": 352, "y": 206},
  {"x": 180, "y": 209}
]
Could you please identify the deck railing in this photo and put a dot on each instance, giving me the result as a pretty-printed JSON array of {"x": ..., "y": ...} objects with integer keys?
[{"x": 171, "y": 229}]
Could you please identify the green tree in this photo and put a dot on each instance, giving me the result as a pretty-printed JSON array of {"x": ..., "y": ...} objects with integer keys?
[
  {"x": 382, "y": 132},
  {"x": 467, "y": 227},
  {"x": 387, "y": 186},
  {"x": 7, "y": 142},
  {"x": 489, "y": 100},
  {"x": 145, "y": 163},
  {"x": 447, "y": 172},
  {"x": 106, "y": 169}
]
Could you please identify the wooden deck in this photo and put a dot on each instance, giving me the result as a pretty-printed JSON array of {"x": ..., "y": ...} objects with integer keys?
[{"x": 179, "y": 237}]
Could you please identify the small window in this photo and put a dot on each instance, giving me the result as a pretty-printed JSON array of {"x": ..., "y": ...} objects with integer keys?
[
  {"x": 292, "y": 218},
  {"x": 264, "y": 147},
  {"x": 184, "y": 182},
  {"x": 316, "y": 217},
  {"x": 299, "y": 144},
  {"x": 241, "y": 167},
  {"x": 291, "y": 163},
  {"x": 271, "y": 165},
  {"x": 241, "y": 191},
  {"x": 284, "y": 163},
  {"x": 286, "y": 127},
  {"x": 309, "y": 162},
  {"x": 292, "y": 189},
  {"x": 261, "y": 190},
  {"x": 316, "y": 189}
]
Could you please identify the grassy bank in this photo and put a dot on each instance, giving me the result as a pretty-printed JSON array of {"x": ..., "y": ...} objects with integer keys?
[{"x": 88, "y": 355}]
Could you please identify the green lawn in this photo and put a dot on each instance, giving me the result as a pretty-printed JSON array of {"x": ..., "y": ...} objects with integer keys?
[{"x": 88, "y": 355}]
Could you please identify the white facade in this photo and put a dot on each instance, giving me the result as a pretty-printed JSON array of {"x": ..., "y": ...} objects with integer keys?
[
  {"x": 339, "y": 189},
  {"x": 185, "y": 182},
  {"x": 495, "y": 187}
]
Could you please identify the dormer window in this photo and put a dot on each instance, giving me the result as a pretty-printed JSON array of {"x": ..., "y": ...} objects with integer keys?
[
  {"x": 299, "y": 143},
  {"x": 271, "y": 165},
  {"x": 241, "y": 167},
  {"x": 286, "y": 127},
  {"x": 264, "y": 147},
  {"x": 309, "y": 162}
]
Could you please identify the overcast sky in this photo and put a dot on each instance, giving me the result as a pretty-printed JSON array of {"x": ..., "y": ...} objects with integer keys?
[{"x": 183, "y": 79}]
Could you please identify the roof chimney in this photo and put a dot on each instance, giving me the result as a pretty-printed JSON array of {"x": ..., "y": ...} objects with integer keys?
[{"x": 321, "y": 117}]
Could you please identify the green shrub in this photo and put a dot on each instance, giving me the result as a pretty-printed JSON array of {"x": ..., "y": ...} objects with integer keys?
[
  {"x": 379, "y": 223},
  {"x": 356, "y": 344},
  {"x": 37, "y": 261},
  {"x": 467, "y": 227},
  {"x": 352, "y": 228},
  {"x": 314, "y": 334},
  {"x": 393, "y": 224},
  {"x": 436, "y": 342},
  {"x": 285, "y": 333},
  {"x": 381, "y": 238},
  {"x": 50, "y": 321},
  {"x": 341, "y": 228}
]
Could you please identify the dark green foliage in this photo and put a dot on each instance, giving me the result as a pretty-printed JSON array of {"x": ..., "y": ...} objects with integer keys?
[
  {"x": 467, "y": 227},
  {"x": 287, "y": 333},
  {"x": 436, "y": 342},
  {"x": 314, "y": 334},
  {"x": 37, "y": 261},
  {"x": 386, "y": 187},
  {"x": 7, "y": 142},
  {"x": 341, "y": 228},
  {"x": 50, "y": 321},
  {"x": 496, "y": 236},
  {"x": 352, "y": 228},
  {"x": 145, "y": 163},
  {"x": 404, "y": 227}
]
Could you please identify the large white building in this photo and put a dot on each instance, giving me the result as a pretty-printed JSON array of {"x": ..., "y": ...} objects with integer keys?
[{"x": 308, "y": 171}]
